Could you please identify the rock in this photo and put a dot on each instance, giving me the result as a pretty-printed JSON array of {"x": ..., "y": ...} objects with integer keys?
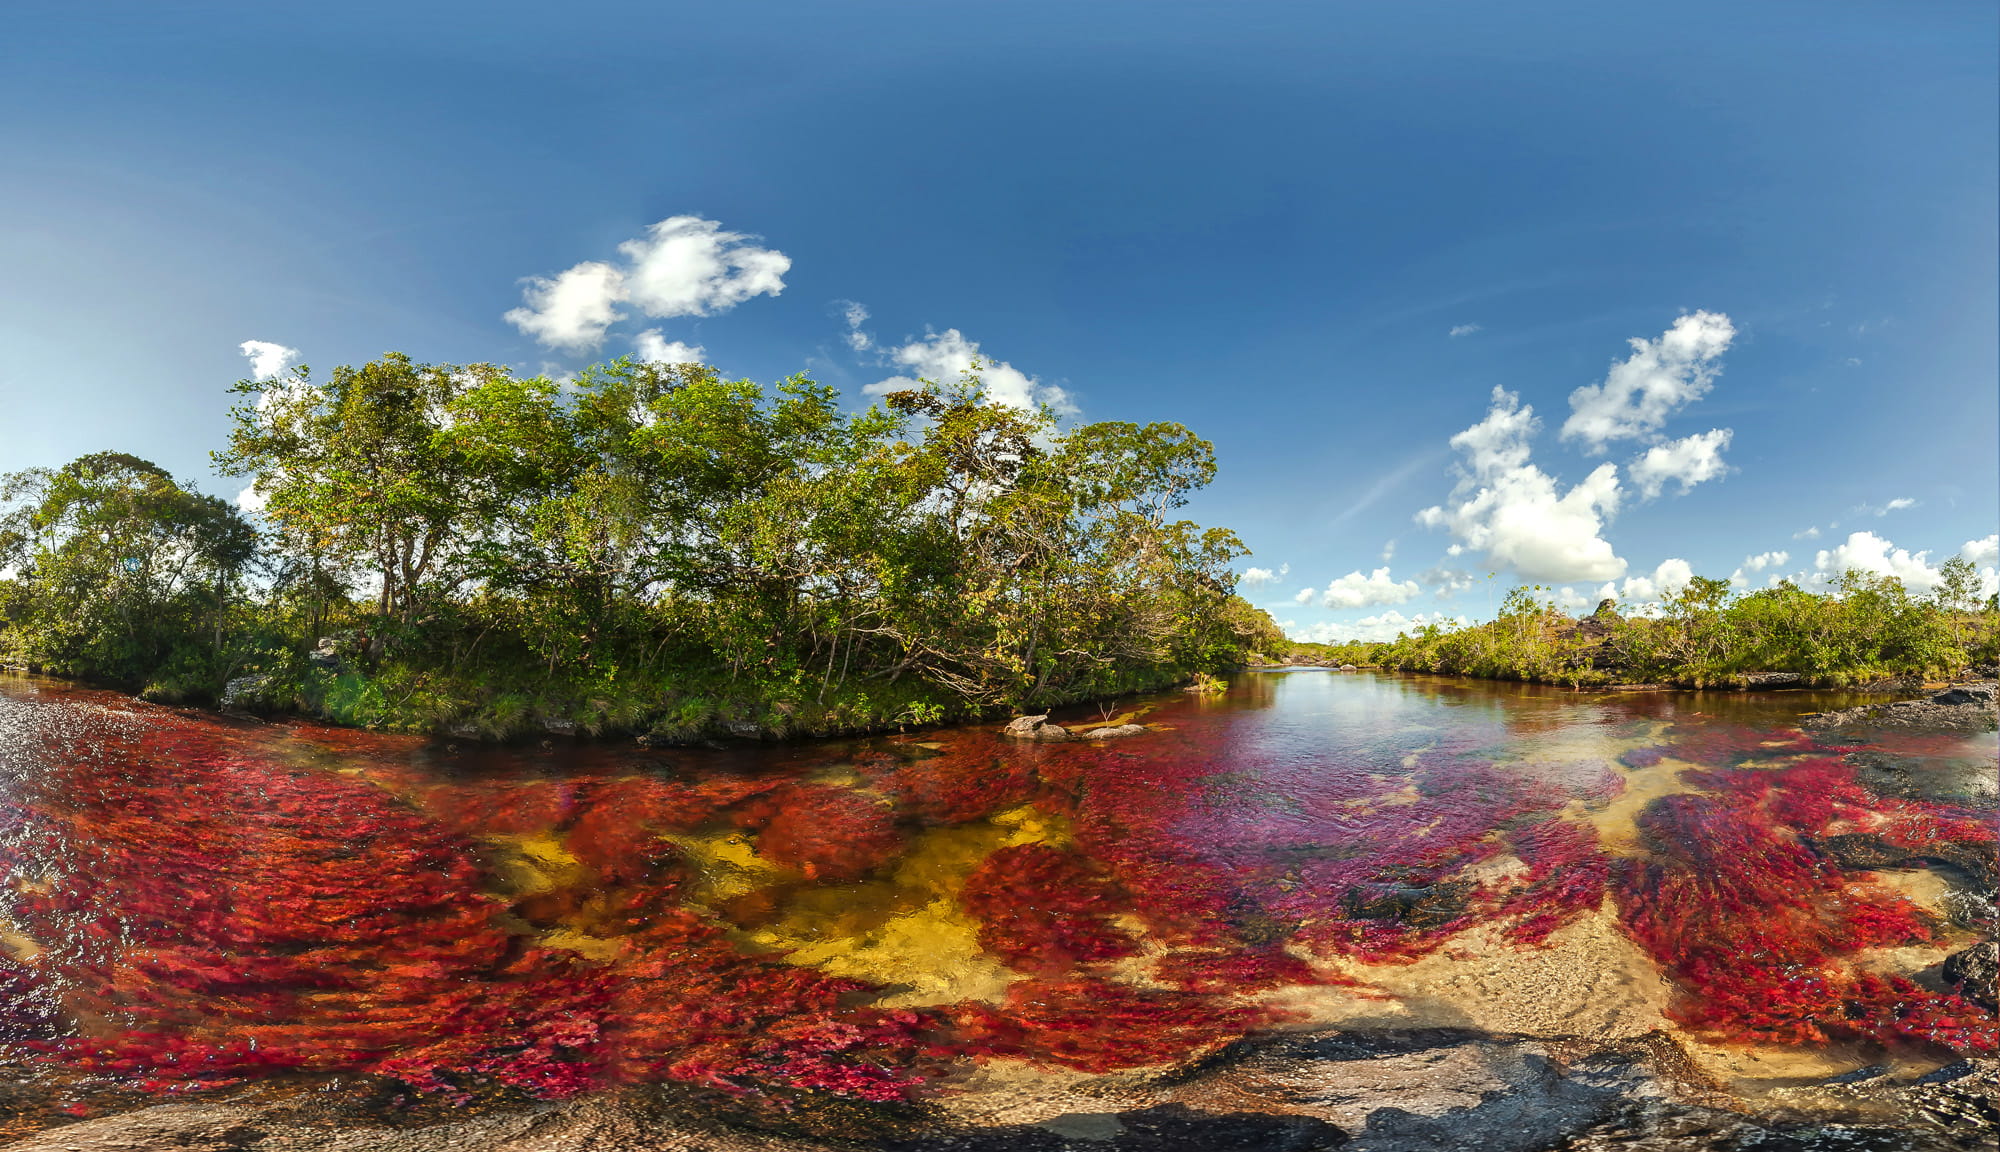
[
  {"x": 1114, "y": 731},
  {"x": 246, "y": 693},
  {"x": 1966, "y": 708},
  {"x": 325, "y": 654},
  {"x": 1966, "y": 694},
  {"x": 1034, "y": 728},
  {"x": 1975, "y": 972},
  {"x": 1419, "y": 906}
]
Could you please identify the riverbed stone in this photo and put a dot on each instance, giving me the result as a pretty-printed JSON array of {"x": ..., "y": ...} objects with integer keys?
[{"x": 1034, "y": 728}]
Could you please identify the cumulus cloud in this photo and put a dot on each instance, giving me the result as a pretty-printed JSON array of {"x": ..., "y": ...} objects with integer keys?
[
  {"x": 1983, "y": 551},
  {"x": 682, "y": 266},
  {"x": 1459, "y": 330},
  {"x": 657, "y": 349},
  {"x": 1659, "y": 378},
  {"x": 1510, "y": 509},
  {"x": 1689, "y": 460},
  {"x": 1670, "y": 577},
  {"x": 1867, "y": 552},
  {"x": 943, "y": 357},
  {"x": 268, "y": 361},
  {"x": 1355, "y": 590},
  {"x": 1371, "y": 628}
]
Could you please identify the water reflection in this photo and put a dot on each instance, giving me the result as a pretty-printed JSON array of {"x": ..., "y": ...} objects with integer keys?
[{"x": 194, "y": 902}]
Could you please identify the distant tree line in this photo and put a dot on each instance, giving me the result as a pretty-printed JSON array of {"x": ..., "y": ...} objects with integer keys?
[
  {"x": 646, "y": 546},
  {"x": 1865, "y": 628}
]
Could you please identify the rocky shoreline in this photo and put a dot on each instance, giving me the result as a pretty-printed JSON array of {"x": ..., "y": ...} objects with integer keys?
[{"x": 1418, "y": 1090}]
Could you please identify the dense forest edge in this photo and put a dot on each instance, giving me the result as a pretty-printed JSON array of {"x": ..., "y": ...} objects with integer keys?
[{"x": 650, "y": 548}]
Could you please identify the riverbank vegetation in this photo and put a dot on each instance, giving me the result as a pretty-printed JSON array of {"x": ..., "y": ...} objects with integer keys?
[
  {"x": 649, "y": 547},
  {"x": 1866, "y": 628}
]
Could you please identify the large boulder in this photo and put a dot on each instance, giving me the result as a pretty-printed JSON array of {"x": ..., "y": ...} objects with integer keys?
[{"x": 1034, "y": 728}]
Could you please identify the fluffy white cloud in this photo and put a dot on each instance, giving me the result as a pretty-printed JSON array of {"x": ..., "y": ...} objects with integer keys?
[
  {"x": 268, "y": 361},
  {"x": 1458, "y": 330},
  {"x": 1867, "y": 552},
  {"x": 682, "y": 266},
  {"x": 1513, "y": 511},
  {"x": 1689, "y": 460},
  {"x": 657, "y": 349},
  {"x": 1382, "y": 627},
  {"x": 1763, "y": 560},
  {"x": 1983, "y": 551},
  {"x": 1355, "y": 590},
  {"x": 944, "y": 357},
  {"x": 1660, "y": 377},
  {"x": 1670, "y": 577}
]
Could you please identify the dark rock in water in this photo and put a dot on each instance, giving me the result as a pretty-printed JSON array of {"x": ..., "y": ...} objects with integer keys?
[
  {"x": 1975, "y": 972},
  {"x": 1419, "y": 906},
  {"x": 1862, "y": 851},
  {"x": 1965, "y": 708},
  {"x": 1166, "y": 1128}
]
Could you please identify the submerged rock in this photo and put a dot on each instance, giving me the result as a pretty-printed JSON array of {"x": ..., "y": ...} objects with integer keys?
[{"x": 1975, "y": 973}]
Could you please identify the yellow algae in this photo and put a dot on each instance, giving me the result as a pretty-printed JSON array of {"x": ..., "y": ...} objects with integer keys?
[
  {"x": 726, "y": 865},
  {"x": 908, "y": 930},
  {"x": 593, "y": 947},
  {"x": 531, "y": 864}
]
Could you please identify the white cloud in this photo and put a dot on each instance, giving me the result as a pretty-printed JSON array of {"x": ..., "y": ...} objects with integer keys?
[
  {"x": 573, "y": 309},
  {"x": 268, "y": 361},
  {"x": 1896, "y": 505},
  {"x": 1357, "y": 591},
  {"x": 1670, "y": 577},
  {"x": 1763, "y": 560},
  {"x": 1257, "y": 577},
  {"x": 1370, "y": 628},
  {"x": 1510, "y": 509},
  {"x": 1868, "y": 552},
  {"x": 1459, "y": 330},
  {"x": 682, "y": 266},
  {"x": 1660, "y": 377},
  {"x": 944, "y": 357},
  {"x": 1689, "y": 460},
  {"x": 657, "y": 349},
  {"x": 1449, "y": 582},
  {"x": 855, "y": 315},
  {"x": 1304, "y": 595}
]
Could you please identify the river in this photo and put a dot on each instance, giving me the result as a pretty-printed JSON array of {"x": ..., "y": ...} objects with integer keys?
[{"x": 199, "y": 905}]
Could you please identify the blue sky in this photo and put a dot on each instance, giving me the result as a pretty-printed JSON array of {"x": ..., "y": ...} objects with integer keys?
[{"x": 1263, "y": 220}]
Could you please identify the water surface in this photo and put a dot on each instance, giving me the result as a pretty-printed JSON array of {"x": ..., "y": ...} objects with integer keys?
[{"x": 194, "y": 902}]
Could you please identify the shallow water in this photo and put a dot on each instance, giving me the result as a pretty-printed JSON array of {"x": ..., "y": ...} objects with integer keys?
[{"x": 195, "y": 902}]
